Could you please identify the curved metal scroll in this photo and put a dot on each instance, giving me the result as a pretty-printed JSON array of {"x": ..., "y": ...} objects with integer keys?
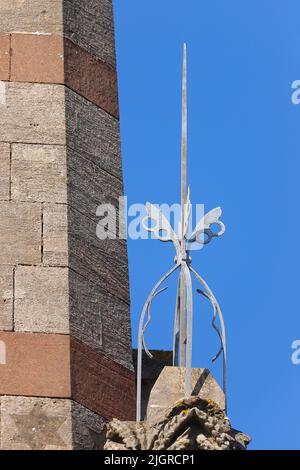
[
  {"x": 152, "y": 294},
  {"x": 222, "y": 333}
]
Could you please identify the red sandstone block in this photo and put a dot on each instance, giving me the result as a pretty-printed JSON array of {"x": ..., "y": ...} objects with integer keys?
[
  {"x": 37, "y": 58},
  {"x": 52, "y": 59},
  {"x": 4, "y": 56},
  {"x": 54, "y": 365},
  {"x": 101, "y": 384},
  {"x": 91, "y": 78},
  {"x": 35, "y": 365}
]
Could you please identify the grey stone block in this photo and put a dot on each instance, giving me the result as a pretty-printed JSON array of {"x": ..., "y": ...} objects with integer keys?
[
  {"x": 170, "y": 387},
  {"x": 103, "y": 262},
  {"x": 39, "y": 173},
  {"x": 31, "y": 16},
  {"x": 100, "y": 319},
  {"x": 6, "y": 298},
  {"x": 41, "y": 299},
  {"x": 93, "y": 134},
  {"x": 29, "y": 423},
  {"x": 55, "y": 235},
  {"x": 32, "y": 113},
  {"x": 4, "y": 170},
  {"x": 20, "y": 233}
]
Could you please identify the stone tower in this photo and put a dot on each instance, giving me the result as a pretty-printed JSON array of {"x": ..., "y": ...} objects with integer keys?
[{"x": 64, "y": 297}]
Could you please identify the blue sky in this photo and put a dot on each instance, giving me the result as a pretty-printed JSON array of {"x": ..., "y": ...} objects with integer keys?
[{"x": 244, "y": 156}]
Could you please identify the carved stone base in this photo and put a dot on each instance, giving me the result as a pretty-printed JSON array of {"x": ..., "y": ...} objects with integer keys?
[{"x": 190, "y": 424}]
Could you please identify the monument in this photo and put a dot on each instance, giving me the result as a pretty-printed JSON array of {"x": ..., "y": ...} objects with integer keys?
[{"x": 65, "y": 340}]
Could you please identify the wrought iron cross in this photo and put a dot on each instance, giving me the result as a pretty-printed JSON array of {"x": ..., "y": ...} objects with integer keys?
[{"x": 203, "y": 234}]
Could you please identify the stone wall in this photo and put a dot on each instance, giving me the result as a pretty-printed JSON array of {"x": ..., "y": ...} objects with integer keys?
[{"x": 64, "y": 294}]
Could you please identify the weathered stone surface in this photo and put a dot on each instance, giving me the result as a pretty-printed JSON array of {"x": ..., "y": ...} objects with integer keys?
[
  {"x": 170, "y": 387},
  {"x": 33, "y": 113},
  {"x": 4, "y": 56},
  {"x": 100, "y": 383},
  {"x": 35, "y": 423},
  {"x": 6, "y": 298},
  {"x": 4, "y": 171},
  {"x": 103, "y": 262},
  {"x": 91, "y": 78},
  {"x": 39, "y": 173},
  {"x": 41, "y": 299},
  {"x": 100, "y": 319},
  {"x": 90, "y": 24},
  {"x": 90, "y": 186},
  {"x": 29, "y": 423},
  {"x": 31, "y": 16},
  {"x": 20, "y": 233},
  {"x": 40, "y": 58},
  {"x": 188, "y": 424},
  {"x": 37, "y": 58},
  {"x": 88, "y": 428},
  {"x": 55, "y": 235},
  {"x": 93, "y": 134},
  {"x": 37, "y": 365},
  {"x": 70, "y": 240},
  {"x": 150, "y": 372}
]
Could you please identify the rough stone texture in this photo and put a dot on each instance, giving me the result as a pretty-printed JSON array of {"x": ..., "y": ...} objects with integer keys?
[
  {"x": 37, "y": 365},
  {"x": 91, "y": 78},
  {"x": 170, "y": 387},
  {"x": 29, "y": 423},
  {"x": 55, "y": 225},
  {"x": 100, "y": 384},
  {"x": 41, "y": 299},
  {"x": 6, "y": 298},
  {"x": 70, "y": 240},
  {"x": 31, "y": 16},
  {"x": 93, "y": 134},
  {"x": 20, "y": 233},
  {"x": 37, "y": 58},
  {"x": 4, "y": 170},
  {"x": 33, "y": 113},
  {"x": 88, "y": 23},
  {"x": 103, "y": 262},
  {"x": 189, "y": 424},
  {"x": 39, "y": 173},
  {"x": 100, "y": 319},
  {"x": 4, "y": 56}
]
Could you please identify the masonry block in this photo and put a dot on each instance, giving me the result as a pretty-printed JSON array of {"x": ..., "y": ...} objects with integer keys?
[
  {"x": 32, "y": 113},
  {"x": 41, "y": 299},
  {"x": 6, "y": 298},
  {"x": 20, "y": 233},
  {"x": 29, "y": 423},
  {"x": 39, "y": 173},
  {"x": 55, "y": 235},
  {"x": 99, "y": 319},
  {"x": 37, "y": 58},
  {"x": 4, "y": 171},
  {"x": 33, "y": 16},
  {"x": 88, "y": 23},
  {"x": 4, "y": 56}
]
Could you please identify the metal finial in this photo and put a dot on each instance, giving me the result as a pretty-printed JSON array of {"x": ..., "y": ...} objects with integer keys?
[{"x": 203, "y": 234}]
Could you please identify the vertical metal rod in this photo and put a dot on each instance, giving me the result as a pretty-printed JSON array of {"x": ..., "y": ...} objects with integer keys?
[{"x": 183, "y": 202}]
